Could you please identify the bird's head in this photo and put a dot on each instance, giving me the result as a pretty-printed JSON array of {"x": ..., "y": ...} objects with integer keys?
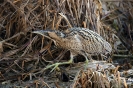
[{"x": 51, "y": 34}]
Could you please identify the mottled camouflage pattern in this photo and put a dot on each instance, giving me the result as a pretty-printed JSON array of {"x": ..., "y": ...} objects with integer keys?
[{"x": 79, "y": 41}]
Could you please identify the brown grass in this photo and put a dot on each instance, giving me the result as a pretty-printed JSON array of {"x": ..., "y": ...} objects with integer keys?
[{"x": 23, "y": 54}]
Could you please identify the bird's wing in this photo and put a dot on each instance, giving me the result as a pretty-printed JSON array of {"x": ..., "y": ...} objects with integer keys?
[{"x": 86, "y": 34}]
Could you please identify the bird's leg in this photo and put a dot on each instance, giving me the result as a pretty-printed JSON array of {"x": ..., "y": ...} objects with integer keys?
[
  {"x": 60, "y": 63},
  {"x": 86, "y": 60}
]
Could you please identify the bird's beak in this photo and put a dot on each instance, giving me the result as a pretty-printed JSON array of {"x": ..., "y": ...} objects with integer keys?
[{"x": 43, "y": 33}]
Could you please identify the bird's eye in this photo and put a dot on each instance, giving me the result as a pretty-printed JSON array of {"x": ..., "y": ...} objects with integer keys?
[{"x": 60, "y": 34}]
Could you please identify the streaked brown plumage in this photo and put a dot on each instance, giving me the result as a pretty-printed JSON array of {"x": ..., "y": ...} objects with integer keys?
[{"x": 79, "y": 41}]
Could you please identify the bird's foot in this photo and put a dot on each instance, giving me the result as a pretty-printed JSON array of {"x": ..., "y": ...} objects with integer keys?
[
  {"x": 87, "y": 62},
  {"x": 55, "y": 66}
]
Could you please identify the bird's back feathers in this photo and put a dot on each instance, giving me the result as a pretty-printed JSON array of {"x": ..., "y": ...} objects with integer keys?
[{"x": 80, "y": 41}]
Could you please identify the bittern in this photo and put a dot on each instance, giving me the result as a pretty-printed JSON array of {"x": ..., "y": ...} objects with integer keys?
[{"x": 78, "y": 40}]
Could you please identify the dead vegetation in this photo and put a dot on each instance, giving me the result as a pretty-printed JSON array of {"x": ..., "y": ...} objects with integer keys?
[{"x": 23, "y": 54}]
